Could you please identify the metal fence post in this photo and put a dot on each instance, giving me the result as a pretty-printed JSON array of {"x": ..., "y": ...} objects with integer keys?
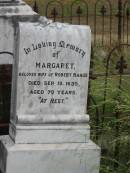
[
  {"x": 120, "y": 21},
  {"x": 35, "y": 7}
]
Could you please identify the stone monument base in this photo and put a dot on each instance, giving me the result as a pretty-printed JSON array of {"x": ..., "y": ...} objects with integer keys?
[
  {"x": 39, "y": 134},
  {"x": 48, "y": 158}
]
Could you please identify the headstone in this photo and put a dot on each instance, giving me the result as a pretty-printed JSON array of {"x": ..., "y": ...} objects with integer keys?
[
  {"x": 53, "y": 69},
  {"x": 51, "y": 83},
  {"x": 49, "y": 129}
]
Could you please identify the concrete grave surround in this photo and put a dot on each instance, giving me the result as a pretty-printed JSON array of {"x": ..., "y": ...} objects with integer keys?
[{"x": 49, "y": 127}]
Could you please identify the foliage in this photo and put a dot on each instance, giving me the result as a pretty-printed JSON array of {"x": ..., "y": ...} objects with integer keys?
[{"x": 110, "y": 117}]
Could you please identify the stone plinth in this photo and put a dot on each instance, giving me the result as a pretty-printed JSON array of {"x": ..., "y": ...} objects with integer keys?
[
  {"x": 50, "y": 133},
  {"x": 49, "y": 158}
]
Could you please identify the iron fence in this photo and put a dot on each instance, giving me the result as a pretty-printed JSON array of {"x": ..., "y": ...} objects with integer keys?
[{"x": 109, "y": 25}]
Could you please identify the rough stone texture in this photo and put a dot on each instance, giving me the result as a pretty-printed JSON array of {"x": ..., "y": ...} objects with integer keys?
[{"x": 49, "y": 158}]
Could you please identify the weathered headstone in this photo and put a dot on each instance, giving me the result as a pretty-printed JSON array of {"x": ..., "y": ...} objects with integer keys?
[
  {"x": 49, "y": 129},
  {"x": 51, "y": 83}
]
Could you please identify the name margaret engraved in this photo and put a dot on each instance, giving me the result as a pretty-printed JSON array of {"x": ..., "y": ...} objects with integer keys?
[{"x": 49, "y": 65}]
